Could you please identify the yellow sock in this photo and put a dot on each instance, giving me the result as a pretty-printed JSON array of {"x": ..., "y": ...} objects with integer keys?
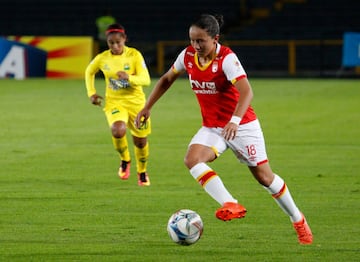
[
  {"x": 121, "y": 145},
  {"x": 141, "y": 155}
]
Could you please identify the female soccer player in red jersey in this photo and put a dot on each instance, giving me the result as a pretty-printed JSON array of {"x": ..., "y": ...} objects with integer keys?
[
  {"x": 224, "y": 94},
  {"x": 125, "y": 75}
]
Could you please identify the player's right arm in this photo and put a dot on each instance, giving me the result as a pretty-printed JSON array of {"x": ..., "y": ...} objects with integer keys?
[
  {"x": 90, "y": 72},
  {"x": 159, "y": 89},
  {"x": 163, "y": 84}
]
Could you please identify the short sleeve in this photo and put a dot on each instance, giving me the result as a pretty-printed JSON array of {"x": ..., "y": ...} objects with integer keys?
[
  {"x": 179, "y": 65},
  {"x": 232, "y": 68}
]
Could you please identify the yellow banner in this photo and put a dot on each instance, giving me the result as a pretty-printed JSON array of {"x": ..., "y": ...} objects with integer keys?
[{"x": 67, "y": 57}]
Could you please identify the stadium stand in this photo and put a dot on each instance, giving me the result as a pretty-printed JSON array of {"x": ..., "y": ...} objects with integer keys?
[
  {"x": 144, "y": 20},
  {"x": 150, "y": 21},
  {"x": 298, "y": 20},
  {"x": 302, "y": 19}
]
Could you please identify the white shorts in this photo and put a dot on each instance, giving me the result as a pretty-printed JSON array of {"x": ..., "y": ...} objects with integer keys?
[{"x": 248, "y": 145}]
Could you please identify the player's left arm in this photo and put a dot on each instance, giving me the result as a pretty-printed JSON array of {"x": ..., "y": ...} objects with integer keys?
[
  {"x": 236, "y": 74},
  {"x": 246, "y": 95},
  {"x": 141, "y": 76}
]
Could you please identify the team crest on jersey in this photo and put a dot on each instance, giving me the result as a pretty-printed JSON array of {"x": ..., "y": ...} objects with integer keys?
[
  {"x": 215, "y": 67},
  {"x": 126, "y": 66}
]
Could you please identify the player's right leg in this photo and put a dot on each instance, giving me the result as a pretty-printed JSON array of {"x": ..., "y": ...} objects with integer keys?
[
  {"x": 205, "y": 147},
  {"x": 120, "y": 143},
  {"x": 117, "y": 118}
]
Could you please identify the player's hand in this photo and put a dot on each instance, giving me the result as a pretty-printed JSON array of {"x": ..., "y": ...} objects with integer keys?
[
  {"x": 96, "y": 99},
  {"x": 122, "y": 75},
  {"x": 123, "y": 79},
  {"x": 230, "y": 130},
  {"x": 141, "y": 118}
]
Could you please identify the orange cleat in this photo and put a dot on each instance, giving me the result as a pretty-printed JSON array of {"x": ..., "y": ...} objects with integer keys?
[
  {"x": 303, "y": 231},
  {"x": 143, "y": 179},
  {"x": 124, "y": 170},
  {"x": 230, "y": 210}
]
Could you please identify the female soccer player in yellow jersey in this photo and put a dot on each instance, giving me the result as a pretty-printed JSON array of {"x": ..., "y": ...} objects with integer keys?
[
  {"x": 125, "y": 75},
  {"x": 224, "y": 95}
]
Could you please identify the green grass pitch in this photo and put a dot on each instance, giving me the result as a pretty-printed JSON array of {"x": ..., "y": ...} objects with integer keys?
[{"x": 60, "y": 198}]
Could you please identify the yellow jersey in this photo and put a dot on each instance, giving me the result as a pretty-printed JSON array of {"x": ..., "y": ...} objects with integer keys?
[{"x": 130, "y": 61}]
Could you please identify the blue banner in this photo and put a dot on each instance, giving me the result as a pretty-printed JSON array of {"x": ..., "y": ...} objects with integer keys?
[
  {"x": 351, "y": 50},
  {"x": 18, "y": 60}
]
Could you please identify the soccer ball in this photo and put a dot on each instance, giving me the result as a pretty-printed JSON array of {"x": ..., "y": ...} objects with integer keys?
[{"x": 185, "y": 227}]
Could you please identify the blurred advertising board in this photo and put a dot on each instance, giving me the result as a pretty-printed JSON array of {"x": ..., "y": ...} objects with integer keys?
[
  {"x": 351, "y": 49},
  {"x": 51, "y": 56}
]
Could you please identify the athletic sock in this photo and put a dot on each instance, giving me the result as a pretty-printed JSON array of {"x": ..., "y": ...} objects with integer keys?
[
  {"x": 283, "y": 198},
  {"x": 121, "y": 145},
  {"x": 141, "y": 156},
  {"x": 212, "y": 183}
]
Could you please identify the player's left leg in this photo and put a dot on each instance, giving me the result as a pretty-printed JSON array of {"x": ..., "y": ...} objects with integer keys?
[
  {"x": 249, "y": 147},
  {"x": 141, "y": 147},
  {"x": 142, "y": 155},
  {"x": 276, "y": 186},
  {"x": 205, "y": 147}
]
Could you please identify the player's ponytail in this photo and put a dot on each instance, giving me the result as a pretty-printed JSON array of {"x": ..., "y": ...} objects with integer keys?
[{"x": 220, "y": 19}]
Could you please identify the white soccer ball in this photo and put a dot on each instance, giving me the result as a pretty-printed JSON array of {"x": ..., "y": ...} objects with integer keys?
[{"x": 185, "y": 227}]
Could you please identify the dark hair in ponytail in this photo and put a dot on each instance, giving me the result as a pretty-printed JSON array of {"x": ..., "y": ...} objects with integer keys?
[{"x": 210, "y": 23}]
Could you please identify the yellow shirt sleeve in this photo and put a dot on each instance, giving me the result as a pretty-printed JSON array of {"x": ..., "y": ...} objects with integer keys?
[
  {"x": 142, "y": 76},
  {"x": 90, "y": 72}
]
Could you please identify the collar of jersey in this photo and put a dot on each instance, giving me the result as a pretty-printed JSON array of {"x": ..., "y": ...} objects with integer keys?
[
  {"x": 204, "y": 67},
  {"x": 124, "y": 51}
]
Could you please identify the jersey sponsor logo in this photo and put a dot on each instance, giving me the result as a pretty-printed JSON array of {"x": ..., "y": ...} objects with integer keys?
[
  {"x": 238, "y": 66},
  {"x": 115, "y": 84},
  {"x": 203, "y": 87}
]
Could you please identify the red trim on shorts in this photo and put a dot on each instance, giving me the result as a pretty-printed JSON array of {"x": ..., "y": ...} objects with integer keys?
[
  {"x": 262, "y": 162},
  {"x": 206, "y": 178},
  {"x": 280, "y": 193}
]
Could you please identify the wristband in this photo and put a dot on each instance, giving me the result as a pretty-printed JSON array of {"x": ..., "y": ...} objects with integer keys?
[{"x": 235, "y": 120}]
